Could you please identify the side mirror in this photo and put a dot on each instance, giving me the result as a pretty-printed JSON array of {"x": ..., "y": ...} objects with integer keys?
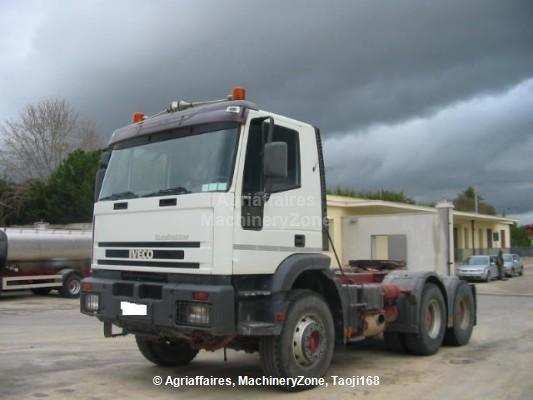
[
  {"x": 275, "y": 160},
  {"x": 104, "y": 160}
]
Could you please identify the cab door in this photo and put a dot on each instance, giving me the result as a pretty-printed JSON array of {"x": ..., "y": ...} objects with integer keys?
[{"x": 270, "y": 227}]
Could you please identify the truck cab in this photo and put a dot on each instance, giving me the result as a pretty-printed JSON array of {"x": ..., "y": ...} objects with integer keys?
[{"x": 210, "y": 232}]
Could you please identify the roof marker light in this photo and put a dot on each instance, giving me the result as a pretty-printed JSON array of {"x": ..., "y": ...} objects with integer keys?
[
  {"x": 238, "y": 93},
  {"x": 137, "y": 117}
]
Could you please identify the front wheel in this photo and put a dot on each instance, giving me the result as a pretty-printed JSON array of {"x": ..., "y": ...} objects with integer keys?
[
  {"x": 431, "y": 321},
  {"x": 305, "y": 345},
  {"x": 166, "y": 353}
]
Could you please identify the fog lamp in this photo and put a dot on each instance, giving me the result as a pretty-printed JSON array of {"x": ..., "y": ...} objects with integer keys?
[
  {"x": 92, "y": 302},
  {"x": 191, "y": 313}
]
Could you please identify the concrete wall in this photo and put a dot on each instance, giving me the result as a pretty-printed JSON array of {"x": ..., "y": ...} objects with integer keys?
[{"x": 426, "y": 243}]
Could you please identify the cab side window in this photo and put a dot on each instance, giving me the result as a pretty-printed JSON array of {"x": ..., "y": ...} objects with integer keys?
[{"x": 253, "y": 166}]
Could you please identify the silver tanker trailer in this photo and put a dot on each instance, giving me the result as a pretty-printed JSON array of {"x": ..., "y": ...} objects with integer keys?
[{"x": 43, "y": 259}]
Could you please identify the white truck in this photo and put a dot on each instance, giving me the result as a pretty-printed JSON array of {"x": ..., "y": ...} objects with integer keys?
[{"x": 210, "y": 232}]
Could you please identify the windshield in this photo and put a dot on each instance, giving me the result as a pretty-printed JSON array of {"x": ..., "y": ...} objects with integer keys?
[
  {"x": 478, "y": 260},
  {"x": 187, "y": 164},
  {"x": 507, "y": 257}
]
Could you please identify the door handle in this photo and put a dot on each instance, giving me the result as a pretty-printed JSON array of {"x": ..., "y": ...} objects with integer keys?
[{"x": 299, "y": 240}]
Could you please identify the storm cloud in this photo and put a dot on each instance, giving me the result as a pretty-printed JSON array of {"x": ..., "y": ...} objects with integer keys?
[{"x": 416, "y": 96}]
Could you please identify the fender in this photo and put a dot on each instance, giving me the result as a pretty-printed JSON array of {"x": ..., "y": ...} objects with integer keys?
[
  {"x": 65, "y": 272},
  {"x": 409, "y": 305},
  {"x": 293, "y": 267},
  {"x": 290, "y": 268}
]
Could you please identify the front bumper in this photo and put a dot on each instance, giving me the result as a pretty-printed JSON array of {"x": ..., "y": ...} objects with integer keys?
[
  {"x": 471, "y": 275},
  {"x": 163, "y": 304}
]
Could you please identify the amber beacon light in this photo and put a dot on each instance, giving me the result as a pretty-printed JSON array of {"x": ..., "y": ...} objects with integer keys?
[{"x": 238, "y": 93}]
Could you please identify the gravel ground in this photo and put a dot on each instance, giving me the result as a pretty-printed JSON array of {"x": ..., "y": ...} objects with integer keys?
[{"x": 48, "y": 350}]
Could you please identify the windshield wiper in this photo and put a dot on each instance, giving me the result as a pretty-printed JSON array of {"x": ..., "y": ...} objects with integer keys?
[
  {"x": 121, "y": 195},
  {"x": 174, "y": 190}
]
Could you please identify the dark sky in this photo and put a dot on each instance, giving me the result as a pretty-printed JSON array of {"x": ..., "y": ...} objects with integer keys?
[{"x": 424, "y": 97}]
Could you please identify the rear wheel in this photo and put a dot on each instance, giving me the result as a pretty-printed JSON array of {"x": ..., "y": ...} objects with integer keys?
[
  {"x": 305, "y": 345},
  {"x": 71, "y": 286},
  {"x": 463, "y": 317},
  {"x": 166, "y": 353},
  {"x": 432, "y": 323},
  {"x": 41, "y": 291}
]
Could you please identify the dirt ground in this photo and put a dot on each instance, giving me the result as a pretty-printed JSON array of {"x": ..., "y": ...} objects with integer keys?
[{"x": 48, "y": 350}]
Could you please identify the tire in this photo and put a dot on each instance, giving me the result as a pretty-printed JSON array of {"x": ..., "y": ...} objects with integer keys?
[
  {"x": 463, "y": 318},
  {"x": 42, "y": 291},
  {"x": 166, "y": 353},
  {"x": 71, "y": 286},
  {"x": 432, "y": 323},
  {"x": 306, "y": 343},
  {"x": 395, "y": 342}
]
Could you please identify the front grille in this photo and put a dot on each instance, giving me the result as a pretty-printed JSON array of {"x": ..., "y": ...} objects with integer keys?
[
  {"x": 163, "y": 254},
  {"x": 150, "y": 292},
  {"x": 144, "y": 276},
  {"x": 123, "y": 289},
  {"x": 161, "y": 264},
  {"x": 150, "y": 244}
]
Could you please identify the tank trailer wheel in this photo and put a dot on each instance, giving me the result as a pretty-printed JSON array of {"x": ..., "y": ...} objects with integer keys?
[
  {"x": 166, "y": 353},
  {"x": 463, "y": 317},
  {"x": 71, "y": 286},
  {"x": 432, "y": 323},
  {"x": 306, "y": 343}
]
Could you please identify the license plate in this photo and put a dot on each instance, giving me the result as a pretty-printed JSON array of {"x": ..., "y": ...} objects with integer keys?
[{"x": 128, "y": 308}]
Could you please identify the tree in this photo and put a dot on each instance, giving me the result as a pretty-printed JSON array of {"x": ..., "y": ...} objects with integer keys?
[
  {"x": 70, "y": 189},
  {"x": 44, "y": 134},
  {"x": 466, "y": 201},
  {"x": 66, "y": 197},
  {"x": 519, "y": 236}
]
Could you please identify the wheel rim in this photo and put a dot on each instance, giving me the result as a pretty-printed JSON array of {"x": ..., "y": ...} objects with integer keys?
[
  {"x": 433, "y": 319},
  {"x": 74, "y": 286},
  {"x": 309, "y": 341},
  {"x": 464, "y": 315}
]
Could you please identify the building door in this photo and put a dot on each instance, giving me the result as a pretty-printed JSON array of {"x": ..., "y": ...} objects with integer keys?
[
  {"x": 502, "y": 238},
  {"x": 389, "y": 247},
  {"x": 489, "y": 238}
]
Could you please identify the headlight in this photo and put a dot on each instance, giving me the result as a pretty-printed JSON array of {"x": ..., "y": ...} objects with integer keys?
[
  {"x": 92, "y": 302},
  {"x": 191, "y": 313}
]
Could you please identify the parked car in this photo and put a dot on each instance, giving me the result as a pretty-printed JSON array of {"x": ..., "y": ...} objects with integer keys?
[
  {"x": 508, "y": 265},
  {"x": 478, "y": 268},
  {"x": 518, "y": 264}
]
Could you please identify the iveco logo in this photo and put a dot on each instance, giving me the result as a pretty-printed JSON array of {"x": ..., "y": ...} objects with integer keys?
[{"x": 145, "y": 254}]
